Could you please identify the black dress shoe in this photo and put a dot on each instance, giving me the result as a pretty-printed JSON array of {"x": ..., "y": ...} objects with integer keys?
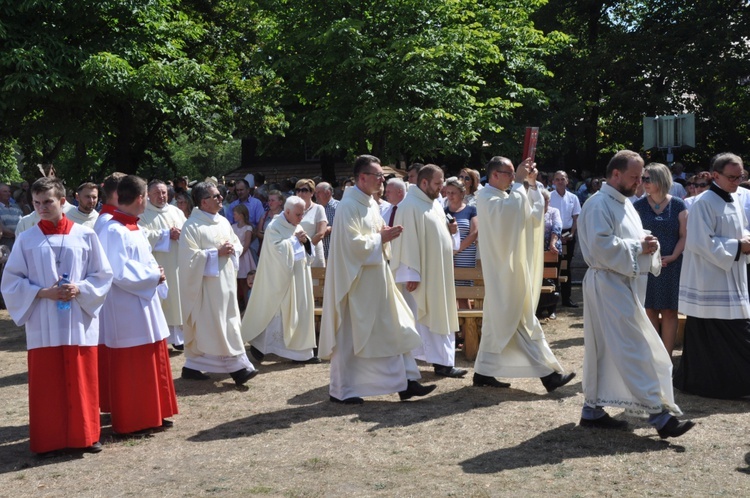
[
  {"x": 256, "y": 353},
  {"x": 555, "y": 380},
  {"x": 453, "y": 372},
  {"x": 243, "y": 375},
  {"x": 178, "y": 347},
  {"x": 191, "y": 374},
  {"x": 312, "y": 361},
  {"x": 414, "y": 388},
  {"x": 675, "y": 428},
  {"x": 487, "y": 381},
  {"x": 166, "y": 424},
  {"x": 94, "y": 448},
  {"x": 347, "y": 401},
  {"x": 570, "y": 304},
  {"x": 605, "y": 422}
]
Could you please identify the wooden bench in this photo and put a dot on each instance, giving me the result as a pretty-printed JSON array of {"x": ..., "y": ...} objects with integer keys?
[{"x": 470, "y": 319}]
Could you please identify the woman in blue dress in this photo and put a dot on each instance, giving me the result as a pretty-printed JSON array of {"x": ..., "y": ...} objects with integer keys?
[
  {"x": 468, "y": 226},
  {"x": 666, "y": 217}
]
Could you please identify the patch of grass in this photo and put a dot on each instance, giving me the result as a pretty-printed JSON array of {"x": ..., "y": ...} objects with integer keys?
[
  {"x": 315, "y": 463},
  {"x": 260, "y": 490}
]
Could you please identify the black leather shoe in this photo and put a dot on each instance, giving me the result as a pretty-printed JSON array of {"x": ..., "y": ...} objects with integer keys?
[
  {"x": 414, "y": 388},
  {"x": 570, "y": 304},
  {"x": 555, "y": 380},
  {"x": 675, "y": 428},
  {"x": 487, "y": 381},
  {"x": 312, "y": 361},
  {"x": 166, "y": 424},
  {"x": 347, "y": 401},
  {"x": 605, "y": 422},
  {"x": 242, "y": 376},
  {"x": 191, "y": 374},
  {"x": 256, "y": 353},
  {"x": 178, "y": 347},
  {"x": 453, "y": 372},
  {"x": 94, "y": 448}
]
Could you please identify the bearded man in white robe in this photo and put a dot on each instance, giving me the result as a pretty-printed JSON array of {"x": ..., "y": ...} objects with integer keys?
[
  {"x": 422, "y": 260},
  {"x": 511, "y": 224},
  {"x": 280, "y": 316},
  {"x": 162, "y": 224},
  {"x": 367, "y": 328},
  {"x": 713, "y": 289},
  {"x": 208, "y": 291},
  {"x": 625, "y": 363},
  {"x": 85, "y": 213}
]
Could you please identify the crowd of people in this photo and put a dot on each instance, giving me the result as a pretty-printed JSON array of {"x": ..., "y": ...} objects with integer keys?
[{"x": 103, "y": 285}]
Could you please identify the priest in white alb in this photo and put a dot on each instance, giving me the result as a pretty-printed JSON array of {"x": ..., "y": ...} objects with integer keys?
[
  {"x": 141, "y": 390},
  {"x": 511, "y": 243},
  {"x": 162, "y": 224},
  {"x": 62, "y": 321},
  {"x": 625, "y": 363},
  {"x": 279, "y": 318},
  {"x": 367, "y": 328},
  {"x": 208, "y": 290},
  {"x": 422, "y": 264},
  {"x": 85, "y": 212}
]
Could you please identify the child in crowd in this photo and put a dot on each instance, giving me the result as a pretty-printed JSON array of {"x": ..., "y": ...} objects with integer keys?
[{"x": 244, "y": 231}]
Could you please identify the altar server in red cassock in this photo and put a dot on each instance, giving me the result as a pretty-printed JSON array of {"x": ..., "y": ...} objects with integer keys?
[
  {"x": 141, "y": 389},
  {"x": 62, "y": 341}
]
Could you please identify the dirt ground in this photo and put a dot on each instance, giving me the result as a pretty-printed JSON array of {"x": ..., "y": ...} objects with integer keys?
[{"x": 281, "y": 436}]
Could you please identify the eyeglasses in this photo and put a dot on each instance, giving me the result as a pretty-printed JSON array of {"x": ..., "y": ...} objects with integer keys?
[
  {"x": 215, "y": 196},
  {"x": 465, "y": 178},
  {"x": 509, "y": 173},
  {"x": 646, "y": 179},
  {"x": 731, "y": 178},
  {"x": 701, "y": 185},
  {"x": 303, "y": 189},
  {"x": 379, "y": 175}
]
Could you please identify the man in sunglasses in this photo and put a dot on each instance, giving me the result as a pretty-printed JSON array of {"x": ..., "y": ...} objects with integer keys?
[{"x": 713, "y": 289}]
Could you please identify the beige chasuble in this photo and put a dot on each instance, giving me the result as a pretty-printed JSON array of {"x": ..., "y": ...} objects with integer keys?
[
  {"x": 211, "y": 315},
  {"x": 282, "y": 285},
  {"x": 154, "y": 221},
  {"x": 426, "y": 246},
  {"x": 381, "y": 323}
]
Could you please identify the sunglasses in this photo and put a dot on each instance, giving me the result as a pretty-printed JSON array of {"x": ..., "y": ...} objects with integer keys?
[
  {"x": 304, "y": 189},
  {"x": 215, "y": 196},
  {"x": 701, "y": 185},
  {"x": 646, "y": 179},
  {"x": 465, "y": 178}
]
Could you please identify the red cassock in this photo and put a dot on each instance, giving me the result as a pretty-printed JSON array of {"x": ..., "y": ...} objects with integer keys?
[{"x": 63, "y": 398}]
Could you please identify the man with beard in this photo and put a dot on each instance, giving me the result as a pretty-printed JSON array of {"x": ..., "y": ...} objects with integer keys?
[
  {"x": 162, "y": 224},
  {"x": 87, "y": 196},
  {"x": 625, "y": 363},
  {"x": 367, "y": 329},
  {"x": 422, "y": 262}
]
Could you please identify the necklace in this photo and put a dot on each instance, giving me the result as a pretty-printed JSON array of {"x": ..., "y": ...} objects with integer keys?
[
  {"x": 59, "y": 253},
  {"x": 657, "y": 205}
]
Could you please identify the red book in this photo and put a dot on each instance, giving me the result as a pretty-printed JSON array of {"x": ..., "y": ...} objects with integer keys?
[{"x": 529, "y": 143}]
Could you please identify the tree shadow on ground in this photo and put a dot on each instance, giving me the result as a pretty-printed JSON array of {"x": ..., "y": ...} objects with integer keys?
[
  {"x": 696, "y": 407},
  {"x": 567, "y": 343},
  {"x": 314, "y": 404},
  {"x": 562, "y": 443},
  {"x": 13, "y": 341},
  {"x": 16, "y": 456},
  {"x": 16, "y": 379}
]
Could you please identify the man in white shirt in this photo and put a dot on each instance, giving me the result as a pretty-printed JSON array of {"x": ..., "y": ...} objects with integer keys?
[{"x": 570, "y": 207}]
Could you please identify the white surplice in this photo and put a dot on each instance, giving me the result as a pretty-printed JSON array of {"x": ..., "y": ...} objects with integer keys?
[
  {"x": 625, "y": 363},
  {"x": 31, "y": 267},
  {"x": 512, "y": 228},
  {"x": 76, "y": 216},
  {"x": 132, "y": 314},
  {"x": 279, "y": 318},
  {"x": 366, "y": 329}
]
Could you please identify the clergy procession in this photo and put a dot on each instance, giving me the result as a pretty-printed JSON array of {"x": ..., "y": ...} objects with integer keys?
[{"x": 108, "y": 287}]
